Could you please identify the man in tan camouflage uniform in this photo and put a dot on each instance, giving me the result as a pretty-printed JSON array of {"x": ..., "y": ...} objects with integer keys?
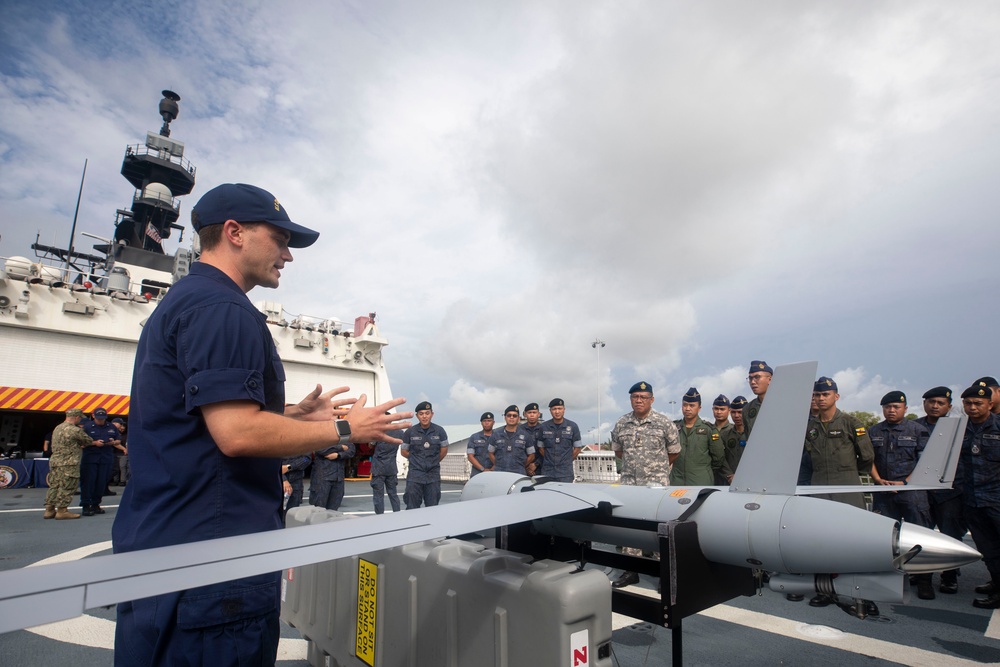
[
  {"x": 68, "y": 441},
  {"x": 647, "y": 443}
]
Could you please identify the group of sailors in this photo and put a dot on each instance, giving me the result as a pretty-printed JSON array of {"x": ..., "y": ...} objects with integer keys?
[{"x": 838, "y": 450}]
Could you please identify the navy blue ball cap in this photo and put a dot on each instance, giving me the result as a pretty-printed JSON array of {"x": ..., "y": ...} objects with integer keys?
[
  {"x": 423, "y": 405},
  {"x": 556, "y": 403},
  {"x": 641, "y": 386},
  {"x": 893, "y": 397},
  {"x": 738, "y": 403},
  {"x": 118, "y": 420},
  {"x": 100, "y": 412},
  {"x": 692, "y": 396},
  {"x": 978, "y": 391},
  {"x": 938, "y": 392},
  {"x": 486, "y": 415},
  {"x": 825, "y": 384},
  {"x": 758, "y": 366},
  {"x": 721, "y": 400},
  {"x": 248, "y": 203}
]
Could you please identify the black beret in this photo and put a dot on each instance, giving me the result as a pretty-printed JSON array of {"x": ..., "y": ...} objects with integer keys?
[
  {"x": 692, "y": 396},
  {"x": 721, "y": 400},
  {"x": 556, "y": 402},
  {"x": 641, "y": 386},
  {"x": 987, "y": 381},
  {"x": 938, "y": 392},
  {"x": 423, "y": 405},
  {"x": 825, "y": 384},
  {"x": 510, "y": 408},
  {"x": 486, "y": 415},
  {"x": 531, "y": 406},
  {"x": 758, "y": 365},
  {"x": 739, "y": 403},
  {"x": 977, "y": 391},
  {"x": 893, "y": 397}
]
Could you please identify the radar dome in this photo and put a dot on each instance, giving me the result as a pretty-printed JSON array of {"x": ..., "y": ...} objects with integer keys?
[
  {"x": 158, "y": 192},
  {"x": 18, "y": 267}
]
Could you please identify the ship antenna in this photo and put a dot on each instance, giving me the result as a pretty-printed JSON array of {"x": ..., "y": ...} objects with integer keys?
[{"x": 168, "y": 110}]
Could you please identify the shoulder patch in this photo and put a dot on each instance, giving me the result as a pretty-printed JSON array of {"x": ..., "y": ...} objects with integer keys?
[{"x": 859, "y": 431}]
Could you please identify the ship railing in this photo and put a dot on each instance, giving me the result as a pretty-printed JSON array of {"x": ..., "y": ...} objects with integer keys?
[
  {"x": 142, "y": 149},
  {"x": 147, "y": 196},
  {"x": 116, "y": 284}
]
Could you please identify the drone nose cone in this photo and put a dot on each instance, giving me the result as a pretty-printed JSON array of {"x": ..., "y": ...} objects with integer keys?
[{"x": 937, "y": 551}]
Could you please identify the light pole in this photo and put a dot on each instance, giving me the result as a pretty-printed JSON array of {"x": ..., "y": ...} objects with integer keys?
[{"x": 597, "y": 345}]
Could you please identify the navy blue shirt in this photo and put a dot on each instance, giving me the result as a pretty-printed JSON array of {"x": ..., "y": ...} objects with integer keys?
[
  {"x": 384, "y": 457},
  {"x": 107, "y": 433},
  {"x": 511, "y": 450},
  {"x": 424, "y": 446},
  {"x": 333, "y": 470},
  {"x": 478, "y": 446},
  {"x": 897, "y": 447},
  {"x": 559, "y": 441},
  {"x": 205, "y": 343},
  {"x": 980, "y": 461}
]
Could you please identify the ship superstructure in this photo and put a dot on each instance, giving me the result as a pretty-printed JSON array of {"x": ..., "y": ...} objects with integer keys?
[{"x": 70, "y": 320}]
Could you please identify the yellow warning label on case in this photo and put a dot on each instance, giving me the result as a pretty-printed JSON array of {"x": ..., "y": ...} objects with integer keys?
[{"x": 367, "y": 611}]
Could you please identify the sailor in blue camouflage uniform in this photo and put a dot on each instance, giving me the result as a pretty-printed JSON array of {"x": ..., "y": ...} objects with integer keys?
[
  {"x": 95, "y": 468},
  {"x": 898, "y": 443},
  {"x": 424, "y": 446},
  {"x": 734, "y": 439},
  {"x": 702, "y": 453},
  {"x": 533, "y": 425},
  {"x": 513, "y": 447},
  {"x": 209, "y": 428},
  {"x": 560, "y": 443},
  {"x": 328, "y": 480},
  {"x": 478, "y": 450},
  {"x": 385, "y": 474},
  {"x": 945, "y": 504},
  {"x": 980, "y": 461}
]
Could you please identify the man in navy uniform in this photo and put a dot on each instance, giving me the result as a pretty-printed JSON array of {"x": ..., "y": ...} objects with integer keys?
[
  {"x": 945, "y": 504},
  {"x": 533, "y": 425},
  {"x": 208, "y": 435},
  {"x": 95, "y": 469},
  {"x": 898, "y": 443},
  {"x": 980, "y": 463},
  {"x": 478, "y": 450},
  {"x": 560, "y": 443},
  {"x": 385, "y": 473},
  {"x": 328, "y": 478},
  {"x": 425, "y": 446},
  {"x": 513, "y": 447},
  {"x": 991, "y": 383}
]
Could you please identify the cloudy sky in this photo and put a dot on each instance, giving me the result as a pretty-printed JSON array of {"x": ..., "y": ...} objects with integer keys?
[{"x": 697, "y": 184}]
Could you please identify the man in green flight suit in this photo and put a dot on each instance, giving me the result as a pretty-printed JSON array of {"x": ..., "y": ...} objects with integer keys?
[
  {"x": 702, "y": 453},
  {"x": 68, "y": 441},
  {"x": 837, "y": 444},
  {"x": 838, "y": 451}
]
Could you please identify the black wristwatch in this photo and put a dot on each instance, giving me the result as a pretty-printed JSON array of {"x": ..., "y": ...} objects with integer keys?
[{"x": 343, "y": 429}]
